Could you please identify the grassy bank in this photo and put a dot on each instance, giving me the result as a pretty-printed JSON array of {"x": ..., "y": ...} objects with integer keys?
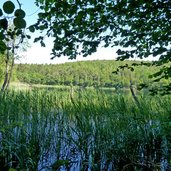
[{"x": 94, "y": 129}]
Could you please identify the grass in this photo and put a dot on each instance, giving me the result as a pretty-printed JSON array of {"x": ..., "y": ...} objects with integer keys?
[
  {"x": 93, "y": 129},
  {"x": 25, "y": 86}
]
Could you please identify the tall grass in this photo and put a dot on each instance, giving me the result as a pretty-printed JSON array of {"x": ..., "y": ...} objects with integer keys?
[{"x": 92, "y": 130}]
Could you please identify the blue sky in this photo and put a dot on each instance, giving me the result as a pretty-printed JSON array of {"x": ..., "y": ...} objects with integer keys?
[{"x": 40, "y": 55}]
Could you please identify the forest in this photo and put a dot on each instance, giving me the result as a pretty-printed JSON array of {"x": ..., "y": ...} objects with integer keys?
[{"x": 87, "y": 73}]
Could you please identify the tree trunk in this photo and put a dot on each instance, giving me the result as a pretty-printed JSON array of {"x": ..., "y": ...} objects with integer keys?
[
  {"x": 6, "y": 72},
  {"x": 10, "y": 74},
  {"x": 133, "y": 94},
  {"x": 8, "y": 68}
]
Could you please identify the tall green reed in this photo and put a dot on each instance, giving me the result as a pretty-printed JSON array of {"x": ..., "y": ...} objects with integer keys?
[{"x": 91, "y": 130}]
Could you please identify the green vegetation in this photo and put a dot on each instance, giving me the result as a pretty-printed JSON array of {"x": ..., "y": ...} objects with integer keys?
[
  {"x": 12, "y": 38},
  {"x": 86, "y": 74},
  {"x": 137, "y": 30},
  {"x": 92, "y": 129}
]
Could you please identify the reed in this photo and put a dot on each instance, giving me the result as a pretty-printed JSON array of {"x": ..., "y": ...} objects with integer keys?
[{"x": 95, "y": 130}]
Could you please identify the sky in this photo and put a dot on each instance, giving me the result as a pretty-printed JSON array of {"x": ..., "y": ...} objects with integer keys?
[{"x": 41, "y": 55}]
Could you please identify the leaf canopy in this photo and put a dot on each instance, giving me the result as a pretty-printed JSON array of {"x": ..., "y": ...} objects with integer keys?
[
  {"x": 8, "y": 7},
  {"x": 8, "y": 15},
  {"x": 141, "y": 27}
]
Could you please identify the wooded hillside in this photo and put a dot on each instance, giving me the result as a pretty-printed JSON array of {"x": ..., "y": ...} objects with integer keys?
[{"x": 85, "y": 73}]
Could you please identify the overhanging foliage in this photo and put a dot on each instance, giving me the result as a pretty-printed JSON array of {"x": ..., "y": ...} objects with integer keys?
[{"x": 79, "y": 27}]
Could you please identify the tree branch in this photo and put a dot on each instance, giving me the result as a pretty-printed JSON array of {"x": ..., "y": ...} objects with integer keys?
[{"x": 19, "y": 4}]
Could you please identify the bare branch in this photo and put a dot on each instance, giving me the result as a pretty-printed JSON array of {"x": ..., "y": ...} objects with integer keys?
[{"x": 19, "y": 4}]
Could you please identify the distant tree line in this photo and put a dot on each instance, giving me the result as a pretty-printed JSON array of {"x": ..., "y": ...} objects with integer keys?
[{"x": 85, "y": 73}]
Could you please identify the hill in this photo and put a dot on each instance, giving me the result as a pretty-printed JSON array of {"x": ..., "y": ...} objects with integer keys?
[{"x": 84, "y": 73}]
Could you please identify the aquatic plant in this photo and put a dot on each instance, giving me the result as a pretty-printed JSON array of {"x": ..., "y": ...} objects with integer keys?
[{"x": 95, "y": 130}]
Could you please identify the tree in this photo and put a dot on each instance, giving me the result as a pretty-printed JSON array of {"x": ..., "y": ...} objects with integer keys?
[
  {"x": 12, "y": 37},
  {"x": 1, "y": 68},
  {"x": 140, "y": 28}
]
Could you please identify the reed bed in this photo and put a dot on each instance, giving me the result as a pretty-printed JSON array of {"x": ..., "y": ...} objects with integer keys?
[{"x": 90, "y": 130}]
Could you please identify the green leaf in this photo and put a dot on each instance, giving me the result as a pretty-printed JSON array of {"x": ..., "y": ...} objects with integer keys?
[
  {"x": 20, "y": 13},
  {"x": 2, "y": 36},
  {"x": 42, "y": 27},
  {"x": 120, "y": 52},
  {"x": 41, "y": 15},
  {"x": 79, "y": 16},
  {"x": 8, "y": 7},
  {"x": 3, "y": 47},
  {"x": 20, "y": 23},
  {"x": 40, "y": 38},
  {"x": 42, "y": 44},
  {"x": 4, "y": 23},
  {"x": 32, "y": 29},
  {"x": 28, "y": 36},
  {"x": 1, "y": 13}
]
